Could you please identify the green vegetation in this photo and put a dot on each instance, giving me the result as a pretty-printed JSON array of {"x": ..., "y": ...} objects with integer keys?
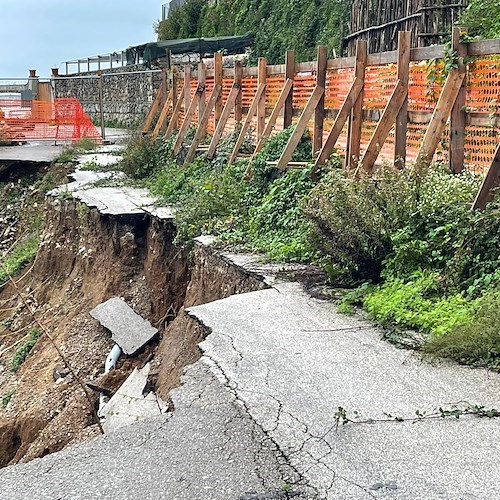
[
  {"x": 482, "y": 17},
  {"x": 24, "y": 349},
  {"x": 277, "y": 25},
  {"x": 69, "y": 153},
  {"x": 6, "y": 398},
  {"x": 23, "y": 253}
]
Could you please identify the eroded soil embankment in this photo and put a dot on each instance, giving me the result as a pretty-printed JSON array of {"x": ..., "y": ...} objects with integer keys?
[{"x": 85, "y": 258}]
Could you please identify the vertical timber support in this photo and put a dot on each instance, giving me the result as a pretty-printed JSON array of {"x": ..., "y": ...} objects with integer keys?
[
  {"x": 289, "y": 75},
  {"x": 261, "y": 106},
  {"x": 202, "y": 80},
  {"x": 238, "y": 79},
  {"x": 217, "y": 82},
  {"x": 187, "y": 86},
  {"x": 356, "y": 119},
  {"x": 458, "y": 118},
  {"x": 319, "y": 113},
  {"x": 404, "y": 41}
]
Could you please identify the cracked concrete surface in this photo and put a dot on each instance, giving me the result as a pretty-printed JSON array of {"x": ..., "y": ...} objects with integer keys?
[
  {"x": 292, "y": 361},
  {"x": 208, "y": 448}
]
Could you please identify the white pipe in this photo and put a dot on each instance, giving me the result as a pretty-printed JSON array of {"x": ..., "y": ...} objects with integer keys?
[{"x": 110, "y": 363}]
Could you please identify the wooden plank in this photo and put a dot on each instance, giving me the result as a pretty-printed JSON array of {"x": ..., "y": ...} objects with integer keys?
[
  {"x": 187, "y": 86},
  {"x": 456, "y": 156},
  {"x": 261, "y": 106},
  {"x": 221, "y": 124},
  {"x": 284, "y": 95},
  {"x": 356, "y": 119},
  {"x": 440, "y": 117},
  {"x": 238, "y": 77},
  {"x": 490, "y": 182},
  {"x": 187, "y": 121},
  {"x": 403, "y": 75},
  {"x": 218, "y": 81},
  {"x": 248, "y": 120},
  {"x": 152, "y": 111},
  {"x": 336, "y": 130},
  {"x": 202, "y": 125},
  {"x": 484, "y": 47},
  {"x": 172, "y": 124},
  {"x": 289, "y": 75},
  {"x": 163, "y": 115},
  {"x": 306, "y": 115},
  {"x": 319, "y": 112},
  {"x": 202, "y": 77},
  {"x": 384, "y": 126}
]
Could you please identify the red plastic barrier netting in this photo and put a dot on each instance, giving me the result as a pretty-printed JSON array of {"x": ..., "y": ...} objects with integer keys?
[{"x": 63, "y": 119}]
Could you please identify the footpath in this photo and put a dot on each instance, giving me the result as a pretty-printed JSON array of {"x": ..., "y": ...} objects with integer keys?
[{"x": 290, "y": 399}]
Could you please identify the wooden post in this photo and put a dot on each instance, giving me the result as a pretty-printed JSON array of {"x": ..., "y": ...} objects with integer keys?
[
  {"x": 289, "y": 75},
  {"x": 188, "y": 115},
  {"x": 404, "y": 41},
  {"x": 202, "y": 77},
  {"x": 319, "y": 113},
  {"x": 356, "y": 120},
  {"x": 152, "y": 112},
  {"x": 238, "y": 78},
  {"x": 261, "y": 107},
  {"x": 384, "y": 126},
  {"x": 218, "y": 81},
  {"x": 306, "y": 115},
  {"x": 187, "y": 86},
  {"x": 173, "y": 123},
  {"x": 440, "y": 117},
  {"x": 490, "y": 182},
  {"x": 458, "y": 115},
  {"x": 163, "y": 115}
]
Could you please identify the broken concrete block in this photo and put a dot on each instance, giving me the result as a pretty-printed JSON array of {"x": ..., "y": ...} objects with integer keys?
[
  {"x": 128, "y": 329},
  {"x": 129, "y": 405}
]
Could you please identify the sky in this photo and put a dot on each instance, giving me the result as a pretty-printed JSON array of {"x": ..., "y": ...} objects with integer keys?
[{"x": 41, "y": 34}]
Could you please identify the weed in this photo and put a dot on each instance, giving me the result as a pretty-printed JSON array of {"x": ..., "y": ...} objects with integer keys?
[
  {"x": 23, "y": 350},
  {"x": 6, "y": 398},
  {"x": 21, "y": 255},
  {"x": 69, "y": 153}
]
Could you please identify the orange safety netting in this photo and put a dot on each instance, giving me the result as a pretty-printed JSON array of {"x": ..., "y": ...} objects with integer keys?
[{"x": 63, "y": 119}]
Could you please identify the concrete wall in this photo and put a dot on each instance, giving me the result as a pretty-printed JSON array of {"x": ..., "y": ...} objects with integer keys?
[{"x": 127, "y": 96}]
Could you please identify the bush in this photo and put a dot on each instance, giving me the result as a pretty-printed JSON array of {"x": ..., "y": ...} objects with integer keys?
[
  {"x": 24, "y": 349},
  {"x": 476, "y": 342}
]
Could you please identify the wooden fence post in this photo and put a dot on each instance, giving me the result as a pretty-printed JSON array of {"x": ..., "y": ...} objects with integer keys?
[
  {"x": 202, "y": 77},
  {"x": 187, "y": 86},
  {"x": 356, "y": 120},
  {"x": 218, "y": 81},
  {"x": 261, "y": 106},
  {"x": 319, "y": 112},
  {"x": 404, "y": 40},
  {"x": 491, "y": 181},
  {"x": 238, "y": 78},
  {"x": 458, "y": 116},
  {"x": 289, "y": 75}
]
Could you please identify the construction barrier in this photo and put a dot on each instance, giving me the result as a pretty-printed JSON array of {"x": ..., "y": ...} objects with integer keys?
[{"x": 61, "y": 120}]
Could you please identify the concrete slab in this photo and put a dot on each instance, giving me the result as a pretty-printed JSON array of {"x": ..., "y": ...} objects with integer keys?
[
  {"x": 35, "y": 152},
  {"x": 98, "y": 159},
  {"x": 129, "y": 405},
  {"x": 128, "y": 329},
  {"x": 293, "y": 361}
]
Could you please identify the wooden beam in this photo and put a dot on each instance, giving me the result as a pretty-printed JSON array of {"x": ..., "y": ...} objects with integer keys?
[
  {"x": 440, "y": 117},
  {"x": 202, "y": 78},
  {"x": 187, "y": 86},
  {"x": 356, "y": 119},
  {"x": 306, "y": 115},
  {"x": 218, "y": 81},
  {"x": 384, "y": 126},
  {"x": 163, "y": 115},
  {"x": 284, "y": 94},
  {"x": 261, "y": 107},
  {"x": 152, "y": 111},
  {"x": 319, "y": 112},
  {"x": 226, "y": 112},
  {"x": 172, "y": 124},
  {"x": 289, "y": 75},
  {"x": 338, "y": 125},
  {"x": 238, "y": 78},
  {"x": 248, "y": 120},
  {"x": 458, "y": 119},
  {"x": 188, "y": 116},
  {"x": 202, "y": 125},
  {"x": 490, "y": 182},
  {"x": 403, "y": 75}
]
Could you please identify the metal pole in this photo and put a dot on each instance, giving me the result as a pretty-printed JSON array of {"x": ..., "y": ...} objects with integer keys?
[{"x": 101, "y": 111}]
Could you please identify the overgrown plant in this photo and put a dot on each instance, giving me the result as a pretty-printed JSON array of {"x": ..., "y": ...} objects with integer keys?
[{"x": 24, "y": 349}]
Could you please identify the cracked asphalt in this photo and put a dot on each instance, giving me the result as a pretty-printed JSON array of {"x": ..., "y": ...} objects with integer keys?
[
  {"x": 208, "y": 448},
  {"x": 293, "y": 361}
]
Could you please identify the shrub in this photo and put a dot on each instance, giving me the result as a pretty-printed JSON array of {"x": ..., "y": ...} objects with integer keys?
[
  {"x": 22, "y": 254},
  {"x": 24, "y": 349}
]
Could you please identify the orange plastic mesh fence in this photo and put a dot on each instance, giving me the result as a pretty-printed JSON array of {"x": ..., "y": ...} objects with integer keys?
[{"x": 63, "y": 119}]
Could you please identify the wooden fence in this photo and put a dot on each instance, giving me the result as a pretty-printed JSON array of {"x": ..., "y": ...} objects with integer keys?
[{"x": 405, "y": 105}]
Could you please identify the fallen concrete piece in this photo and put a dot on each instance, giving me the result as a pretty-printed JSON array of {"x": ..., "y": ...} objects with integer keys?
[
  {"x": 129, "y": 405},
  {"x": 98, "y": 159},
  {"x": 128, "y": 329}
]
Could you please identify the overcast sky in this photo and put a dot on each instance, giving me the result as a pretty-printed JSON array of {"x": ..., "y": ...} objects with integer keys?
[{"x": 41, "y": 34}]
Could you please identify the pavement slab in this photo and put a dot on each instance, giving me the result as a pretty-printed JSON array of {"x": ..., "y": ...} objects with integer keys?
[
  {"x": 207, "y": 449},
  {"x": 293, "y": 361},
  {"x": 129, "y": 330}
]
